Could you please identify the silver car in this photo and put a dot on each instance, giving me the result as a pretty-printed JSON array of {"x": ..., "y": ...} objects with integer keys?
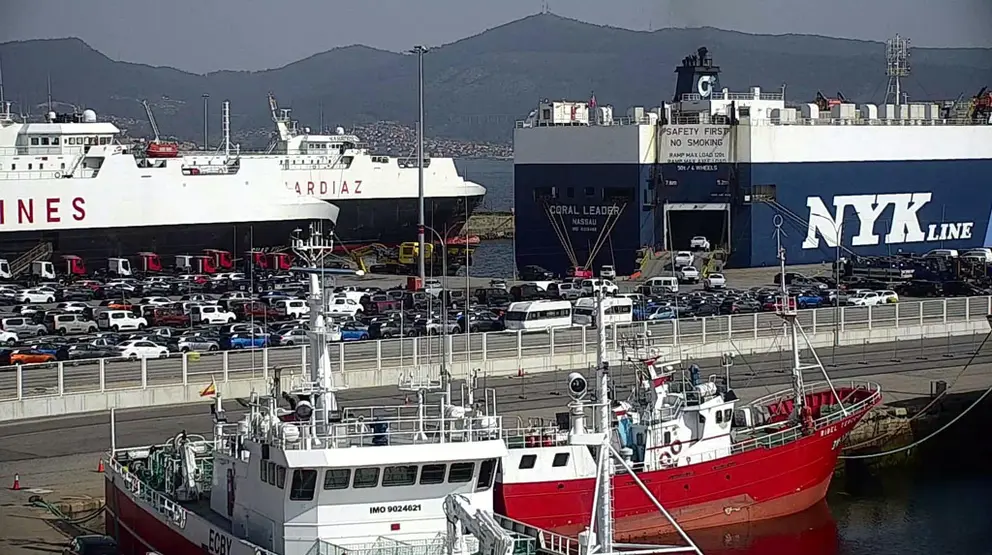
[{"x": 23, "y": 327}]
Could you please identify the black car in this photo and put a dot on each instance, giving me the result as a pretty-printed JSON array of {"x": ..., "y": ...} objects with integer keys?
[
  {"x": 480, "y": 321},
  {"x": 535, "y": 273}
]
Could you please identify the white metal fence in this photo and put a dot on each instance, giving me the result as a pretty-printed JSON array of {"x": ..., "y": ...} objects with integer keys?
[{"x": 46, "y": 380}]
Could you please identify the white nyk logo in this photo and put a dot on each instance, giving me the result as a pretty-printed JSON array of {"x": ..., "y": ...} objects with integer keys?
[{"x": 903, "y": 223}]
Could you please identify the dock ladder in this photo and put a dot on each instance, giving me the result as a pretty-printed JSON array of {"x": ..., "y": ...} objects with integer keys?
[{"x": 41, "y": 251}]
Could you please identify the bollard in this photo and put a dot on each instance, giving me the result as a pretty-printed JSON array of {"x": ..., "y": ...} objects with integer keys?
[
  {"x": 523, "y": 389},
  {"x": 864, "y": 352},
  {"x": 947, "y": 351},
  {"x": 895, "y": 351},
  {"x": 922, "y": 355},
  {"x": 556, "y": 381}
]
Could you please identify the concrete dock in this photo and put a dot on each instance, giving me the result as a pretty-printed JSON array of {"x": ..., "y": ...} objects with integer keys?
[
  {"x": 490, "y": 225},
  {"x": 57, "y": 457}
]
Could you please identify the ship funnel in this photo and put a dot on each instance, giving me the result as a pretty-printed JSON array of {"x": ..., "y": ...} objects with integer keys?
[{"x": 697, "y": 76}]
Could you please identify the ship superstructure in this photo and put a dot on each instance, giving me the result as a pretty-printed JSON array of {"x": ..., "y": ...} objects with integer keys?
[
  {"x": 68, "y": 185},
  {"x": 316, "y": 476},
  {"x": 594, "y": 188}
]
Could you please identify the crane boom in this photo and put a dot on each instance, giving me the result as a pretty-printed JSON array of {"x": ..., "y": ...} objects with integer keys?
[
  {"x": 493, "y": 539},
  {"x": 151, "y": 120}
]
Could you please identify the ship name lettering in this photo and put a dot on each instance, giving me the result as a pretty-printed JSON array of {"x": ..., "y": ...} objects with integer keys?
[
  {"x": 902, "y": 213},
  {"x": 311, "y": 188},
  {"x": 50, "y": 210},
  {"x": 219, "y": 544},
  {"x": 566, "y": 210},
  {"x": 827, "y": 431}
]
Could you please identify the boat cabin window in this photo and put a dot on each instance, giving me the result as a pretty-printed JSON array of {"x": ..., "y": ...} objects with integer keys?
[
  {"x": 304, "y": 484},
  {"x": 561, "y": 459},
  {"x": 719, "y": 417},
  {"x": 728, "y": 414},
  {"x": 487, "y": 472},
  {"x": 104, "y": 140},
  {"x": 337, "y": 478},
  {"x": 263, "y": 471},
  {"x": 281, "y": 477},
  {"x": 667, "y": 438},
  {"x": 527, "y": 461},
  {"x": 366, "y": 478},
  {"x": 44, "y": 141},
  {"x": 34, "y": 141},
  {"x": 55, "y": 141},
  {"x": 405, "y": 475},
  {"x": 461, "y": 473},
  {"x": 432, "y": 474},
  {"x": 272, "y": 473}
]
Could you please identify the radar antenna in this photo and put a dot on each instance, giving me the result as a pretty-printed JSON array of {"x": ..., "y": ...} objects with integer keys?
[{"x": 896, "y": 67}]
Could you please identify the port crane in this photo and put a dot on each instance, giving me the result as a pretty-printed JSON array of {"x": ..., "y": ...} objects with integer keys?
[{"x": 158, "y": 148}]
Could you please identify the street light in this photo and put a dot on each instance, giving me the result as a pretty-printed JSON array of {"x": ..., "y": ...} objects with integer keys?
[
  {"x": 420, "y": 50},
  {"x": 444, "y": 305},
  {"x": 206, "y": 97}
]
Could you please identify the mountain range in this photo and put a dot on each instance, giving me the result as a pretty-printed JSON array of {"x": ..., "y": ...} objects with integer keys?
[{"x": 476, "y": 87}]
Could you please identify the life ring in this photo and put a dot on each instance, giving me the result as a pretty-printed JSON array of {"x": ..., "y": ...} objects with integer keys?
[
  {"x": 665, "y": 459},
  {"x": 676, "y": 447},
  {"x": 58, "y": 175}
]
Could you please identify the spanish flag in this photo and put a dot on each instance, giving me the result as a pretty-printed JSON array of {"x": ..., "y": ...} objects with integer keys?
[{"x": 209, "y": 390}]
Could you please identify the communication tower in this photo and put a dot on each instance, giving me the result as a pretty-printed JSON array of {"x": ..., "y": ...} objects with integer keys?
[{"x": 896, "y": 67}]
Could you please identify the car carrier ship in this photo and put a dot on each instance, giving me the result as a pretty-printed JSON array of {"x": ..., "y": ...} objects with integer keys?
[
  {"x": 73, "y": 186},
  {"x": 594, "y": 189}
]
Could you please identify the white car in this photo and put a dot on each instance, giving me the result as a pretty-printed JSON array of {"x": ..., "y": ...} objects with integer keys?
[
  {"x": 72, "y": 306},
  {"x": 864, "y": 298},
  {"x": 8, "y": 338},
  {"x": 887, "y": 296},
  {"x": 141, "y": 348},
  {"x": 687, "y": 274},
  {"x": 699, "y": 243},
  {"x": 714, "y": 281},
  {"x": 607, "y": 272},
  {"x": 607, "y": 286},
  {"x": 343, "y": 305},
  {"x": 684, "y": 258},
  {"x": 36, "y": 296},
  {"x": 156, "y": 301}
]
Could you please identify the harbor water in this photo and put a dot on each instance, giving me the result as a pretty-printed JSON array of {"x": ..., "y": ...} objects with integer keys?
[{"x": 932, "y": 507}]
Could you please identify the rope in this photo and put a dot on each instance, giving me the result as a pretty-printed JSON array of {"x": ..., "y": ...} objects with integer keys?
[
  {"x": 37, "y": 501},
  {"x": 922, "y": 412}
]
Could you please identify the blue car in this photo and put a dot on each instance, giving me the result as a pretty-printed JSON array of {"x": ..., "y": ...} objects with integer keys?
[
  {"x": 244, "y": 341},
  {"x": 809, "y": 299},
  {"x": 354, "y": 331}
]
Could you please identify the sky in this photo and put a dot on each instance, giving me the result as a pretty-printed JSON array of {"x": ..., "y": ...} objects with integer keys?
[{"x": 208, "y": 35}]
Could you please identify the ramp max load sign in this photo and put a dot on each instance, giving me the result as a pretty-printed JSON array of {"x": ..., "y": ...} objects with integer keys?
[{"x": 695, "y": 144}]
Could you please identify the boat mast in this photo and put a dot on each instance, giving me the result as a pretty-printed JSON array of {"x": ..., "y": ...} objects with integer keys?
[
  {"x": 788, "y": 313},
  {"x": 605, "y": 525}
]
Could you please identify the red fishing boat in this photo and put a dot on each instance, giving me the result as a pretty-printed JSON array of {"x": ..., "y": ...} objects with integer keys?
[{"x": 709, "y": 461}]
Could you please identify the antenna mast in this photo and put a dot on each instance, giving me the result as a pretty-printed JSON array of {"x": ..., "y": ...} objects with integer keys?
[
  {"x": 896, "y": 67},
  {"x": 4, "y": 105}
]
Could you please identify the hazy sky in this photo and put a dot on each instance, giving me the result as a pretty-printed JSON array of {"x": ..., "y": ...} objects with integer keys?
[{"x": 205, "y": 35}]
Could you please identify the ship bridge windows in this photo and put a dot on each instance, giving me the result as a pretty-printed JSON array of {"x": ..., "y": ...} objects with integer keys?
[
  {"x": 366, "y": 477},
  {"x": 35, "y": 141},
  {"x": 405, "y": 475},
  {"x": 433, "y": 474},
  {"x": 561, "y": 459},
  {"x": 545, "y": 193},
  {"x": 337, "y": 478},
  {"x": 304, "y": 484},
  {"x": 461, "y": 472},
  {"x": 487, "y": 473},
  {"x": 45, "y": 141}
]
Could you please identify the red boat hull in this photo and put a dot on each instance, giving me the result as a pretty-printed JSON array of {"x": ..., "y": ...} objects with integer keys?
[
  {"x": 139, "y": 531},
  {"x": 759, "y": 484}
]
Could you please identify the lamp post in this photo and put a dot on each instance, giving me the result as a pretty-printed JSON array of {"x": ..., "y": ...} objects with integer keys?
[
  {"x": 838, "y": 235},
  {"x": 420, "y": 50},
  {"x": 206, "y": 97},
  {"x": 445, "y": 381}
]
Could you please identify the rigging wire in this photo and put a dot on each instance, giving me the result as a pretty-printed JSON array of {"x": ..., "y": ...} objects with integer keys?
[{"x": 924, "y": 410}]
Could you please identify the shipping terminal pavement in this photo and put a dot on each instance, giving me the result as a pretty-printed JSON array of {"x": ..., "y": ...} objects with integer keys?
[{"x": 57, "y": 458}]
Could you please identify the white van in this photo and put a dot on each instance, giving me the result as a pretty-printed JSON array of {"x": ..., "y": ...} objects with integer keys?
[
  {"x": 120, "y": 320},
  {"x": 293, "y": 308},
  {"x": 210, "y": 314},
  {"x": 538, "y": 315},
  {"x": 617, "y": 310},
  {"x": 670, "y": 283}
]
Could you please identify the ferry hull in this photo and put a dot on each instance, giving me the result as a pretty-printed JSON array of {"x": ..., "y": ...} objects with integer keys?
[
  {"x": 752, "y": 486},
  {"x": 879, "y": 208}
]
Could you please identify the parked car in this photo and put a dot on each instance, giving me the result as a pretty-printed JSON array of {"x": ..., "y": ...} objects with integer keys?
[
  {"x": 715, "y": 281},
  {"x": 699, "y": 243}
]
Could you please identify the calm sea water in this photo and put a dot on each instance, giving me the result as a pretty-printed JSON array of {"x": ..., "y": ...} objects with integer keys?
[{"x": 932, "y": 508}]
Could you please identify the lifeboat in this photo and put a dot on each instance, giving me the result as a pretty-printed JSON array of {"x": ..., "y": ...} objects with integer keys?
[{"x": 162, "y": 150}]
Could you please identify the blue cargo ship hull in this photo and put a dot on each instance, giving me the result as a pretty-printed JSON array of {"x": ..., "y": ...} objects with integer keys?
[{"x": 604, "y": 213}]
